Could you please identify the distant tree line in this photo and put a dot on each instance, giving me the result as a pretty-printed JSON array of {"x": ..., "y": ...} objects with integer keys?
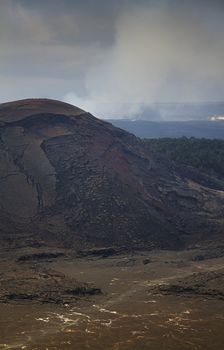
[{"x": 204, "y": 154}]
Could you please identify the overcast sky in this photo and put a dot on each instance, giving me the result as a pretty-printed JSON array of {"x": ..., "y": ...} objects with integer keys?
[{"x": 112, "y": 57}]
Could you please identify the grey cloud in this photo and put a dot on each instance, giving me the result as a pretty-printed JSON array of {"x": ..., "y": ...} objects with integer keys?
[
  {"x": 55, "y": 24},
  {"x": 112, "y": 57},
  {"x": 169, "y": 53}
]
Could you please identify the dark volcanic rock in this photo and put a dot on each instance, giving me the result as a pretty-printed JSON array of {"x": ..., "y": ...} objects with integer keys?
[
  {"x": 73, "y": 179},
  {"x": 39, "y": 257},
  {"x": 83, "y": 291},
  {"x": 146, "y": 261},
  {"x": 211, "y": 253},
  {"x": 97, "y": 252},
  {"x": 43, "y": 286},
  {"x": 206, "y": 284}
]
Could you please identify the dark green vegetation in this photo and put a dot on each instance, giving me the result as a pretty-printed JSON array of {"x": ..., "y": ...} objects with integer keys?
[{"x": 203, "y": 154}]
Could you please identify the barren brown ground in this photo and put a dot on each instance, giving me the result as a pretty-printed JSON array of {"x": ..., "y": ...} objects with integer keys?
[{"x": 131, "y": 313}]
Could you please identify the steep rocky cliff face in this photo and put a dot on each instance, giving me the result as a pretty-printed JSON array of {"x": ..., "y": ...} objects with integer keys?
[{"x": 71, "y": 178}]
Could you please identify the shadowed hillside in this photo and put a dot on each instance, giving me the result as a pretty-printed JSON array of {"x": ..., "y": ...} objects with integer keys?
[{"x": 70, "y": 178}]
